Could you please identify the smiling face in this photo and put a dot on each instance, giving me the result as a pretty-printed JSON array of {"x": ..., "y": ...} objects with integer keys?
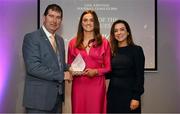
[
  {"x": 52, "y": 21},
  {"x": 88, "y": 22},
  {"x": 120, "y": 33}
]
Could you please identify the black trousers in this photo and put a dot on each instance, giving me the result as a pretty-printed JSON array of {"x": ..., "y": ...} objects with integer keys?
[{"x": 56, "y": 109}]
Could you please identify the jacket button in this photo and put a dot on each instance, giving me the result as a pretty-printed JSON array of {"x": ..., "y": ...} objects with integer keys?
[{"x": 57, "y": 86}]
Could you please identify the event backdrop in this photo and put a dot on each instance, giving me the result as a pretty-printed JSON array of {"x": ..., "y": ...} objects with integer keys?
[{"x": 140, "y": 14}]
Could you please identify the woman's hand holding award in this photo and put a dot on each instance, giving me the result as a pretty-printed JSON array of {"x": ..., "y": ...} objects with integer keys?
[{"x": 78, "y": 66}]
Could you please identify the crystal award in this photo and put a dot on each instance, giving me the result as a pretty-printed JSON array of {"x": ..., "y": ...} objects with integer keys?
[{"x": 78, "y": 65}]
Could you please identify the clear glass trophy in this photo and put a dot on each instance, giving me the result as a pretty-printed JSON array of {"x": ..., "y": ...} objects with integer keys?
[{"x": 78, "y": 65}]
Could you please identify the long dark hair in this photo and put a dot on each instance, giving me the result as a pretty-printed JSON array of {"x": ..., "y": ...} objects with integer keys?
[
  {"x": 80, "y": 33},
  {"x": 114, "y": 42}
]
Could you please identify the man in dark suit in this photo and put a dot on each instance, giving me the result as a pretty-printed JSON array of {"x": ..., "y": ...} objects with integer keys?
[{"x": 46, "y": 70}]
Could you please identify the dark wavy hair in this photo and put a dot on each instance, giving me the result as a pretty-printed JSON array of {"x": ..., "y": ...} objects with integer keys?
[
  {"x": 114, "y": 42},
  {"x": 80, "y": 33}
]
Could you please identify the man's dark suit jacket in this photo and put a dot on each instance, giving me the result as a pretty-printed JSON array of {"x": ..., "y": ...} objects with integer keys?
[{"x": 44, "y": 74}]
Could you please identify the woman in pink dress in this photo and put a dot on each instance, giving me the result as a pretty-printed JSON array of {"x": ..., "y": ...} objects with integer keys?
[{"x": 89, "y": 88}]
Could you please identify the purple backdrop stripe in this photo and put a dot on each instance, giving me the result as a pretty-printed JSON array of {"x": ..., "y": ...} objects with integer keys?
[
  {"x": 5, "y": 53},
  {"x": 17, "y": 18}
]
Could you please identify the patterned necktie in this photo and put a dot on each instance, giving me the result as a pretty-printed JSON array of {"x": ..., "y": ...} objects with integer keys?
[{"x": 53, "y": 42}]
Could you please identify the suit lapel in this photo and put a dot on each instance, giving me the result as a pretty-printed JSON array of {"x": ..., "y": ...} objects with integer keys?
[
  {"x": 47, "y": 42},
  {"x": 59, "y": 46}
]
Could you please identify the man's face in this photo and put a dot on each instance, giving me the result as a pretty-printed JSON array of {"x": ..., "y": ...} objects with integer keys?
[{"x": 52, "y": 21}]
